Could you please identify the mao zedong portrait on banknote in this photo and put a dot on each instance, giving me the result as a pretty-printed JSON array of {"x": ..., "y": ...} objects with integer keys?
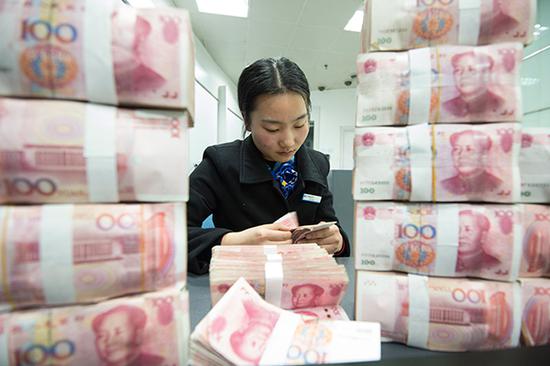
[
  {"x": 472, "y": 73},
  {"x": 119, "y": 335},
  {"x": 472, "y": 242},
  {"x": 250, "y": 341},
  {"x": 306, "y": 295},
  {"x": 469, "y": 155}
]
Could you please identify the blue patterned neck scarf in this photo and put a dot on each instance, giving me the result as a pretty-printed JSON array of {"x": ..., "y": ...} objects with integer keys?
[{"x": 286, "y": 176}]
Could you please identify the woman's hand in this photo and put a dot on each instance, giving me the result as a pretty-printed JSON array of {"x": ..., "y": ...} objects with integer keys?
[
  {"x": 274, "y": 234},
  {"x": 329, "y": 238}
]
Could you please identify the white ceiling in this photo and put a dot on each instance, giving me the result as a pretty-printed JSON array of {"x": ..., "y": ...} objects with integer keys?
[{"x": 309, "y": 32}]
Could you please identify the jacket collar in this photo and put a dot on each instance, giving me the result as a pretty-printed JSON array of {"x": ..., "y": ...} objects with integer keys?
[{"x": 253, "y": 168}]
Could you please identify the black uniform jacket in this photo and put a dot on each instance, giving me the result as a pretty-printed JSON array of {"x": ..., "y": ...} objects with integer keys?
[{"x": 234, "y": 184}]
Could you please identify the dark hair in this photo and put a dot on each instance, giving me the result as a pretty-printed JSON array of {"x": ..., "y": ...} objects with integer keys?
[{"x": 270, "y": 76}]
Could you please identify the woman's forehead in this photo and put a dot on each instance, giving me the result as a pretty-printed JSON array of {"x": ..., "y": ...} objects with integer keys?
[{"x": 280, "y": 108}]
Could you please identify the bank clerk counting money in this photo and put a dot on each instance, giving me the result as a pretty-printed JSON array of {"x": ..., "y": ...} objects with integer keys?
[{"x": 248, "y": 184}]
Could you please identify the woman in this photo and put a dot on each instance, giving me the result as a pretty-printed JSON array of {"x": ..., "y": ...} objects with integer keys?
[{"x": 248, "y": 184}]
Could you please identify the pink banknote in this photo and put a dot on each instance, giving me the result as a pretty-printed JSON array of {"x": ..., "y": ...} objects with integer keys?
[
  {"x": 400, "y": 25},
  {"x": 440, "y": 314},
  {"x": 534, "y": 166},
  {"x": 146, "y": 330},
  {"x": 449, "y": 84},
  {"x": 243, "y": 329},
  {"x": 499, "y": 242},
  {"x": 60, "y": 151},
  {"x": 62, "y": 254},
  {"x": 101, "y": 51},
  {"x": 439, "y": 163}
]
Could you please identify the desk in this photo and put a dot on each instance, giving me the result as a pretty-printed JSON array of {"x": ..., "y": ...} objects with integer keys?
[{"x": 393, "y": 354}]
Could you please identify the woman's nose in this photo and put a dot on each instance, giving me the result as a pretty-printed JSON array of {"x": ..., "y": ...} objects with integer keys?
[{"x": 287, "y": 140}]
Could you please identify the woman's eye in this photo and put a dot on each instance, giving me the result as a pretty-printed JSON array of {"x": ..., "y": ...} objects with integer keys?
[
  {"x": 300, "y": 126},
  {"x": 272, "y": 131}
]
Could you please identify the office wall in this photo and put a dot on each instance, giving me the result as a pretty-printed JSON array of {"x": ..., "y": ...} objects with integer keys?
[
  {"x": 210, "y": 127},
  {"x": 536, "y": 73},
  {"x": 336, "y": 110}
]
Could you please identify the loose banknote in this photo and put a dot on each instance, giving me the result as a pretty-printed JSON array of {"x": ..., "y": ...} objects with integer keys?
[
  {"x": 400, "y": 24},
  {"x": 66, "y": 254},
  {"x": 243, "y": 329},
  {"x": 71, "y": 152},
  {"x": 448, "y": 84},
  {"x": 97, "y": 50},
  {"x": 498, "y": 242},
  {"x": 438, "y": 163},
  {"x": 146, "y": 330}
]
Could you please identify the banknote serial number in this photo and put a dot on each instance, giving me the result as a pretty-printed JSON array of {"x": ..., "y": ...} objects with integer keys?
[
  {"x": 394, "y": 30},
  {"x": 378, "y": 109}
]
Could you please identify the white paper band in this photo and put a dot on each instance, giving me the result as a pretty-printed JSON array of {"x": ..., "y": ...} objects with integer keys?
[
  {"x": 274, "y": 279},
  {"x": 180, "y": 238},
  {"x": 56, "y": 254},
  {"x": 419, "y": 311},
  {"x": 420, "y": 65},
  {"x": 9, "y": 65},
  {"x": 280, "y": 339},
  {"x": 448, "y": 223},
  {"x": 518, "y": 242},
  {"x": 100, "y": 153},
  {"x": 375, "y": 296},
  {"x": 421, "y": 162},
  {"x": 98, "y": 60},
  {"x": 270, "y": 249},
  {"x": 517, "y": 314},
  {"x": 469, "y": 21}
]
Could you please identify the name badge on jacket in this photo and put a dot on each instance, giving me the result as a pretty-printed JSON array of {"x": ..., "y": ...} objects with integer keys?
[{"x": 311, "y": 198}]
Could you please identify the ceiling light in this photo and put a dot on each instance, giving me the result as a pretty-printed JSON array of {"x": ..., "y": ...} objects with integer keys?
[
  {"x": 356, "y": 22},
  {"x": 233, "y": 8},
  {"x": 140, "y": 3}
]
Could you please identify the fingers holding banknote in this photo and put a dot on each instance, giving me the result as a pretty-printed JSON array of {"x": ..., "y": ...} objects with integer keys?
[
  {"x": 329, "y": 238},
  {"x": 277, "y": 233}
]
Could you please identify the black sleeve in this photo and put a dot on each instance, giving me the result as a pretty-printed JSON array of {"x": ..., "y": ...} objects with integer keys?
[
  {"x": 325, "y": 211},
  {"x": 202, "y": 202}
]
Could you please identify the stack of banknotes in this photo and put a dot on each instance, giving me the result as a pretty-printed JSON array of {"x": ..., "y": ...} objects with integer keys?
[
  {"x": 150, "y": 329},
  {"x": 72, "y": 77},
  {"x": 496, "y": 242},
  {"x": 244, "y": 329},
  {"x": 498, "y": 162},
  {"x": 98, "y": 51},
  {"x": 445, "y": 84},
  {"x": 292, "y": 276},
  {"x": 392, "y": 25},
  {"x": 450, "y": 314},
  {"x": 65, "y": 254},
  {"x": 448, "y": 183},
  {"x": 55, "y": 151}
]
